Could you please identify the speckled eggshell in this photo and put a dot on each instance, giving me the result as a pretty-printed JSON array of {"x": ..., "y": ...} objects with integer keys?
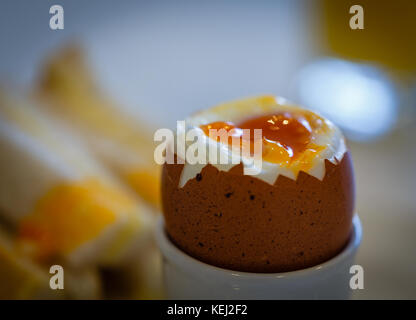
[{"x": 242, "y": 223}]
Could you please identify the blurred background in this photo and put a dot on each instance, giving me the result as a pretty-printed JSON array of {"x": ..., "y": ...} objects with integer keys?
[{"x": 158, "y": 61}]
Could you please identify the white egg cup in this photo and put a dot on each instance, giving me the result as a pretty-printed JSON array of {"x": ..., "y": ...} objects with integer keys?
[{"x": 188, "y": 278}]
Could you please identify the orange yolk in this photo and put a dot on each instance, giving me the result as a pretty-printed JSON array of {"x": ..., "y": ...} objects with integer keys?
[{"x": 286, "y": 136}]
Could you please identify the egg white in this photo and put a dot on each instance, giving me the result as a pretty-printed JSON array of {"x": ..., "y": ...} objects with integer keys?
[{"x": 332, "y": 140}]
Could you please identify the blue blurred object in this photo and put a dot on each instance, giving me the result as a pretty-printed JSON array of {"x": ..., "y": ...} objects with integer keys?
[{"x": 360, "y": 98}]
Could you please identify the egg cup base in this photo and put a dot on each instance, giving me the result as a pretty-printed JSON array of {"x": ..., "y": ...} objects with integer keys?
[{"x": 188, "y": 278}]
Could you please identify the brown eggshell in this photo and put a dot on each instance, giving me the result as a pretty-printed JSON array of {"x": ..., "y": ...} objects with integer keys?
[{"x": 242, "y": 223}]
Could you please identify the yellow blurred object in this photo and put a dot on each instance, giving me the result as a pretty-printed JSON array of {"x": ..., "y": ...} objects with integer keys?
[
  {"x": 388, "y": 36},
  {"x": 59, "y": 223},
  {"x": 63, "y": 202},
  {"x": 145, "y": 183},
  {"x": 21, "y": 278},
  {"x": 124, "y": 144}
]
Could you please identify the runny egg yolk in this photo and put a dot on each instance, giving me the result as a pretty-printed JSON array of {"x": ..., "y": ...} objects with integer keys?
[{"x": 286, "y": 136}]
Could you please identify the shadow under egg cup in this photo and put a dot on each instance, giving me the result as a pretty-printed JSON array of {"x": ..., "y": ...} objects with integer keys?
[{"x": 188, "y": 278}]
